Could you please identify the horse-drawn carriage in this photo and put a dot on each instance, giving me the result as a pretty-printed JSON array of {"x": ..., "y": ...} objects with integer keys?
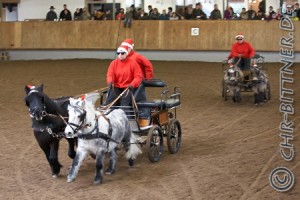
[
  {"x": 255, "y": 80},
  {"x": 152, "y": 120}
]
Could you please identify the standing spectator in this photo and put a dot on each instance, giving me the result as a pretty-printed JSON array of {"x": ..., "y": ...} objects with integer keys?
[
  {"x": 228, "y": 13},
  {"x": 142, "y": 15},
  {"x": 134, "y": 12},
  {"x": 170, "y": 10},
  {"x": 189, "y": 13},
  {"x": 97, "y": 15},
  {"x": 77, "y": 14},
  {"x": 120, "y": 15},
  {"x": 85, "y": 15},
  {"x": 215, "y": 13},
  {"x": 51, "y": 15},
  {"x": 198, "y": 12},
  {"x": 297, "y": 11},
  {"x": 244, "y": 14},
  {"x": 65, "y": 14},
  {"x": 128, "y": 17},
  {"x": 154, "y": 14},
  {"x": 107, "y": 15},
  {"x": 272, "y": 14},
  {"x": 262, "y": 7},
  {"x": 150, "y": 10},
  {"x": 164, "y": 15}
]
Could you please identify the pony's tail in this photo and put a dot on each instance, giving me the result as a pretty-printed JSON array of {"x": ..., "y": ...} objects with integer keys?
[{"x": 134, "y": 149}]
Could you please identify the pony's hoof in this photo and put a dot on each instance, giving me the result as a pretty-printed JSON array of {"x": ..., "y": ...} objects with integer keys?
[
  {"x": 69, "y": 180},
  {"x": 97, "y": 182},
  {"x": 109, "y": 171},
  {"x": 131, "y": 162},
  {"x": 54, "y": 175}
]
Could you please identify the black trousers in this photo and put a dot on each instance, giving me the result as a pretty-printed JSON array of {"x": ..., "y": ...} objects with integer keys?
[{"x": 244, "y": 63}]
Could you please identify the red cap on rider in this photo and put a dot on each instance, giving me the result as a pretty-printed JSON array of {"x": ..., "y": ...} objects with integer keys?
[
  {"x": 128, "y": 42},
  {"x": 123, "y": 48}
]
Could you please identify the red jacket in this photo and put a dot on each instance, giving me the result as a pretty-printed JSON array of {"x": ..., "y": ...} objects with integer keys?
[
  {"x": 244, "y": 48},
  {"x": 123, "y": 73},
  {"x": 144, "y": 64}
]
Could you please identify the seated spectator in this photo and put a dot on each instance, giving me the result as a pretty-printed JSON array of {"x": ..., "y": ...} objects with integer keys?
[
  {"x": 85, "y": 15},
  {"x": 215, "y": 13},
  {"x": 244, "y": 14},
  {"x": 77, "y": 14},
  {"x": 170, "y": 10},
  {"x": 128, "y": 17},
  {"x": 174, "y": 16},
  {"x": 65, "y": 14},
  {"x": 260, "y": 16},
  {"x": 164, "y": 15},
  {"x": 150, "y": 9},
  {"x": 228, "y": 14},
  {"x": 142, "y": 15},
  {"x": 120, "y": 15},
  {"x": 107, "y": 15},
  {"x": 198, "y": 12},
  {"x": 154, "y": 14},
  {"x": 98, "y": 15},
  {"x": 251, "y": 14},
  {"x": 51, "y": 15},
  {"x": 180, "y": 13}
]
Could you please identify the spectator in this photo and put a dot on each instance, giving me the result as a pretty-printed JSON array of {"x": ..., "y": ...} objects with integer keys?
[
  {"x": 215, "y": 13},
  {"x": 154, "y": 14},
  {"x": 65, "y": 14},
  {"x": 122, "y": 73},
  {"x": 170, "y": 10},
  {"x": 97, "y": 15},
  {"x": 164, "y": 15},
  {"x": 77, "y": 14},
  {"x": 107, "y": 15},
  {"x": 251, "y": 14},
  {"x": 150, "y": 10},
  {"x": 85, "y": 15},
  {"x": 189, "y": 13},
  {"x": 142, "y": 15},
  {"x": 262, "y": 7},
  {"x": 198, "y": 12},
  {"x": 272, "y": 14},
  {"x": 244, "y": 14},
  {"x": 297, "y": 11},
  {"x": 51, "y": 15},
  {"x": 120, "y": 15},
  {"x": 128, "y": 17},
  {"x": 174, "y": 16},
  {"x": 260, "y": 16},
  {"x": 228, "y": 14},
  {"x": 134, "y": 12}
]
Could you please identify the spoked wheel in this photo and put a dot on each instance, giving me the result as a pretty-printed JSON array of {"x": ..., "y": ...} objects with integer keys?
[
  {"x": 174, "y": 136},
  {"x": 155, "y": 143}
]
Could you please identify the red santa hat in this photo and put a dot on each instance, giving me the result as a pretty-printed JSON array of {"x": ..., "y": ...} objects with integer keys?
[
  {"x": 123, "y": 48},
  {"x": 128, "y": 42},
  {"x": 239, "y": 35}
]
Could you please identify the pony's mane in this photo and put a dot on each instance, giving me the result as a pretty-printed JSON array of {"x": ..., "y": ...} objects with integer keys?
[{"x": 90, "y": 111}]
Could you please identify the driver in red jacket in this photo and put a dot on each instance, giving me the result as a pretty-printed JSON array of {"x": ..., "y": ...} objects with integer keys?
[
  {"x": 242, "y": 51},
  {"x": 122, "y": 73}
]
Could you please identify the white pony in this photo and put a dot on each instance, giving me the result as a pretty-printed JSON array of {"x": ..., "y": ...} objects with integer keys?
[
  {"x": 232, "y": 77},
  {"x": 259, "y": 84},
  {"x": 98, "y": 133}
]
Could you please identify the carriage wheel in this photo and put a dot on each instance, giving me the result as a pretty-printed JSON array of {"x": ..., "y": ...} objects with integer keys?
[
  {"x": 268, "y": 92},
  {"x": 224, "y": 90},
  {"x": 174, "y": 136},
  {"x": 155, "y": 143}
]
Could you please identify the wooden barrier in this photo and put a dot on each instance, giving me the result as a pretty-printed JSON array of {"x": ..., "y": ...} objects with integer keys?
[{"x": 147, "y": 35}]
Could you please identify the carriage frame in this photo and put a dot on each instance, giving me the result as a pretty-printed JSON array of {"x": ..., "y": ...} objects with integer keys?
[
  {"x": 246, "y": 84},
  {"x": 161, "y": 122}
]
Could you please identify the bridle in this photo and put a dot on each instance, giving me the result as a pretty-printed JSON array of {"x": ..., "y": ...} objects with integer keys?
[
  {"x": 34, "y": 109},
  {"x": 82, "y": 116}
]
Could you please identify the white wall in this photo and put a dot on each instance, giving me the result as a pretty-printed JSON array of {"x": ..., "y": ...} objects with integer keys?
[{"x": 37, "y": 9}]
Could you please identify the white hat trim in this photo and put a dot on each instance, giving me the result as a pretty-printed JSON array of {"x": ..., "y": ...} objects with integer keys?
[
  {"x": 127, "y": 44},
  {"x": 239, "y": 36},
  {"x": 122, "y": 49}
]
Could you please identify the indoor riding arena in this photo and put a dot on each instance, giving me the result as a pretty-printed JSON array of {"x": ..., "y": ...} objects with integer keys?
[{"x": 228, "y": 151}]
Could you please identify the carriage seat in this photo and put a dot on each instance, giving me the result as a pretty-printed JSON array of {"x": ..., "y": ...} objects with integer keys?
[
  {"x": 147, "y": 83},
  {"x": 157, "y": 103}
]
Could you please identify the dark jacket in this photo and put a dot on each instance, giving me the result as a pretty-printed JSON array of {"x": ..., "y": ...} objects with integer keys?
[{"x": 51, "y": 15}]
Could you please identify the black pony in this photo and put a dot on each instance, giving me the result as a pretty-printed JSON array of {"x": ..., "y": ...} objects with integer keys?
[{"x": 47, "y": 117}]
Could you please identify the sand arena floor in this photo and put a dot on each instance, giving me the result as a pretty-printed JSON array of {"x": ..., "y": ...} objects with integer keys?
[{"x": 228, "y": 150}]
